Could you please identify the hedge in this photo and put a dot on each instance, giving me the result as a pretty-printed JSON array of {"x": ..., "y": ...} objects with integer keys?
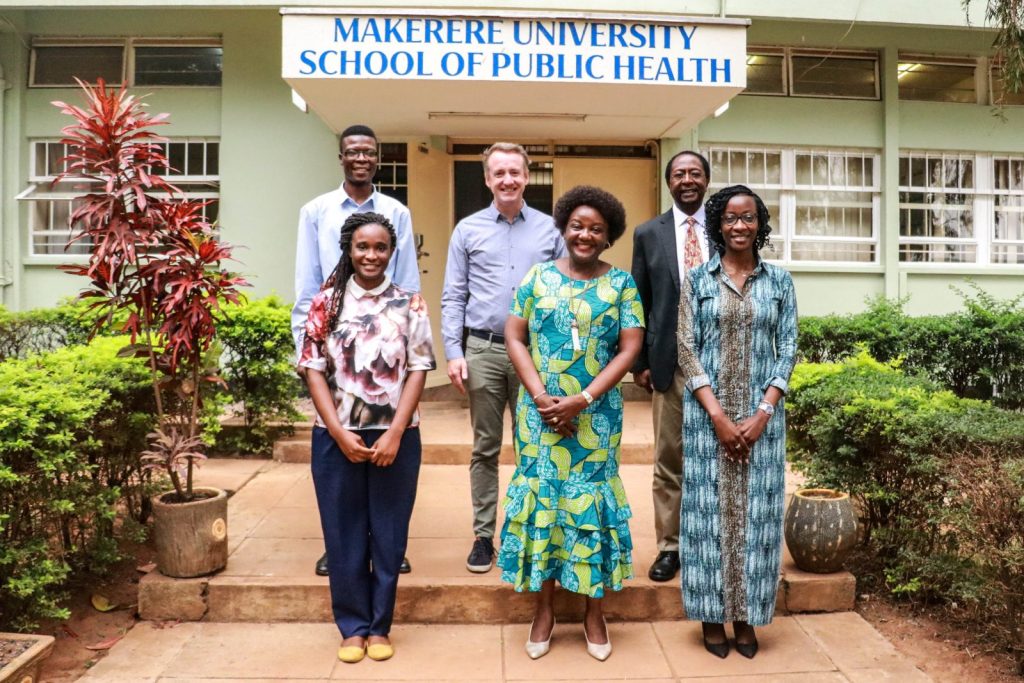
[
  {"x": 977, "y": 352},
  {"x": 938, "y": 481},
  {"x": 72, "y": 423},
  {"x": 259, "y": 367}
]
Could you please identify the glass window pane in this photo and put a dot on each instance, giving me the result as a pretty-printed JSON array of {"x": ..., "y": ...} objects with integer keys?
[
  {"x": 834, "y": 76},
  {"x": 856, "y": 252},
  {"x": 60, "y": 65},
  {"x": 803, "y": 169},
  {"x": 194, "y": 163},
  {"x": 213, "y": 158},
  {"x": 169, "y": 65},
  {"x": 764, "y": 75},
  {"x": 937, "y": 82},
  {"x": 774, "y": 168},
  {"x": 176, "y": 157},
  {"x": 999, "y": 93}
]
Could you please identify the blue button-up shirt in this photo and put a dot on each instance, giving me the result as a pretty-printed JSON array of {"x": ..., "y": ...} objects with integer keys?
[
  {"x": 318, "y": 251},
  {"x": 487, "y": 259}
]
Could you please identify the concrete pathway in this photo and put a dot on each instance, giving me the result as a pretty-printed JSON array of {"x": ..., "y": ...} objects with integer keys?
[{"x": 822, "y": 648}]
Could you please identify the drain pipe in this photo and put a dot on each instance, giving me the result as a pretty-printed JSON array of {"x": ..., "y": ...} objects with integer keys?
[
  {"x": 721, "y": 8},
  {"x": 5, "y": 279}
]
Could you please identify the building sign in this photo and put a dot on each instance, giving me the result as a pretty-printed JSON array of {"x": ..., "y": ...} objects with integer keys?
[{"x": 517, "y": 49}]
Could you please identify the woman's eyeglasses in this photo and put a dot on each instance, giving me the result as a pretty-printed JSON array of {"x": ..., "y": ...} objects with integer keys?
[{"x": 747, "y": 218}]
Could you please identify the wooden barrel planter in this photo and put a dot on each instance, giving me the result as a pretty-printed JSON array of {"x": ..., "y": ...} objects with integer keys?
[
  {"x": 820, "y": 529},
  {"x": 191, "y": 538}
]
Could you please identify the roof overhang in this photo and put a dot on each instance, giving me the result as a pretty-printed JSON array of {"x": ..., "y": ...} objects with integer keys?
[{"x": 507, "y": 74}]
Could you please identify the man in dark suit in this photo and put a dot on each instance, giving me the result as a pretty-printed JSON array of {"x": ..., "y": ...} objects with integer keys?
[{"x": 663, "y": 249}]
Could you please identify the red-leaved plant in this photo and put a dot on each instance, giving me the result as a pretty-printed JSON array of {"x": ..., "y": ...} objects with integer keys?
[{"x": 154, "y": 265}]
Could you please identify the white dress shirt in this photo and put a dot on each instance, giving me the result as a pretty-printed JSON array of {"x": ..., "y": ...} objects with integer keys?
[{"x": 679, "y": 219}]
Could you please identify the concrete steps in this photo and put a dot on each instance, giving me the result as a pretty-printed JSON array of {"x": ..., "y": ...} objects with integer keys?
[
  {"x": 448, "y": 438},
  {"x": 274, "y": 539}
]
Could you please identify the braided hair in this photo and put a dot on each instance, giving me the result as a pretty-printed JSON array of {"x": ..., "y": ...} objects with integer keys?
[
  {"x": 339, "y": 277},
  {"x": 714, "y": 209}
]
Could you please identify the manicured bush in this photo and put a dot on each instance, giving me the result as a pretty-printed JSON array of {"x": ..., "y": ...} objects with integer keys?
[
  {"x": 938, "y": 481},
  {"x": 41, "y": 329},
  {"x": 259, "y": 367},
  {"x": 975, "y": 353},
  {"x": 72, "y": 423}
]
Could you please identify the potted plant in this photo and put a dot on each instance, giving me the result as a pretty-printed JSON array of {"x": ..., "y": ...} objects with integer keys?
[
  {"x": 155, "y": 274},
  {"x": 21, "y": 657},
  {"x": 820, "y": 529}
]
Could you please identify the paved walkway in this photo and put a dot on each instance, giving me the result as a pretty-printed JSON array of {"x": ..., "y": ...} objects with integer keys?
[{"x": 823, "y": 648}]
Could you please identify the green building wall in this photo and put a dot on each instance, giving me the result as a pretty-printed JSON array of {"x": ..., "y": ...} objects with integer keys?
[{"x": 274, "y": 157}]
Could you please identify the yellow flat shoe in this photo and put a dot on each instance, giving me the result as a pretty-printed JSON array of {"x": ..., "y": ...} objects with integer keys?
[
  {"x": 380, "y": 651},
  {"x": 350, "y": 654}
]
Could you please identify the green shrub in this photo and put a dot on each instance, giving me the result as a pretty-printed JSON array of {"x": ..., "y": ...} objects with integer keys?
[
  {"x": 975, "y": 353},
  {"x": 41, "y": 329},
  {"x": 72, "y": 423},
  {"x": 938, "y": 482},
  {"x": 259, "y": 367}
]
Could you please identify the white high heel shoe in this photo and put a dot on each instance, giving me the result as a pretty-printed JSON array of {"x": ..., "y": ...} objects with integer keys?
[
  {"x": 538, "y": 650},
  {"x": 599, "y": 652}
]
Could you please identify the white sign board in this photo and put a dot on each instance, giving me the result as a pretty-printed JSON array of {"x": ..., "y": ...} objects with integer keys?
[{"x": 513, "y": 49}]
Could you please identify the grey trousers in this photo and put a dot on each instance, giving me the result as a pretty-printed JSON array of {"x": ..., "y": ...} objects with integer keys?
[
  {"x": 492, "y": 385},
  {"x": 667, "y": 487}
]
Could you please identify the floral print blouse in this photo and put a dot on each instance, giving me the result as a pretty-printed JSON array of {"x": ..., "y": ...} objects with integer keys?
[{"x": 381, "y": 335}]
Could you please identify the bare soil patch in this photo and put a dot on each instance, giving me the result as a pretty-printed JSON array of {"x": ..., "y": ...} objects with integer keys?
[{"x": 943, "y": 651}]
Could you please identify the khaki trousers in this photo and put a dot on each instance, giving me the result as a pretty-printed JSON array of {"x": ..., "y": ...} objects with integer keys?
[
  {"x": 492, "y": 386},
  {"x": 667, "y": 414}
]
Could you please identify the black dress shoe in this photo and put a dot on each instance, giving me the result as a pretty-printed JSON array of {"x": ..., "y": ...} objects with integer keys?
[
  {"x": 321, "y": 566},
  {"x": 405, "y": 567},
  {"x": 718, "y": 649},
  {"x": 665, "y": 566},
  {"x": 748, "y": 648}
]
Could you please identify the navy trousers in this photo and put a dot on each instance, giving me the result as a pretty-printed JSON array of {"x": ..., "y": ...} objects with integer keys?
[{"x": 364, "y": 512}]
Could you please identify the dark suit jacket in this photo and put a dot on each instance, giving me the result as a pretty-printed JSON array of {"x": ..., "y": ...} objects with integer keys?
[{"x": 656, "y": 271}]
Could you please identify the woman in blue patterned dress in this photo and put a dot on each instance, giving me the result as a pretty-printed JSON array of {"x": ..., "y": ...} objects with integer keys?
[
  {"x": 737, "y": 344},
  {"x": 576, "y": 328}
]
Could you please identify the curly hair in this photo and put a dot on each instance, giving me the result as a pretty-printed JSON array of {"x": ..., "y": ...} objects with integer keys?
[
  {"x": 343, "y": 271},
  {"x": 714, "y": 209},
  {"x": 610, "y": 208}
]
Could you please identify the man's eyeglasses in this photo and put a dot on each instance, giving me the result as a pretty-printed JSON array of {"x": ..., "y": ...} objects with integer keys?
[
  {"x": 356, "y": 153},
  {"x": 747, "y": 218}
]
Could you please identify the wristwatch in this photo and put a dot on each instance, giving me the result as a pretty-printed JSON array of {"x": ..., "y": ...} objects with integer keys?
[
  {"x": 766, "y": 407},
  {"x": 587, "y": 397}
]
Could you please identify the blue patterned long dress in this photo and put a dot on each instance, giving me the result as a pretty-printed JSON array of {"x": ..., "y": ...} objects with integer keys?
[
  {"x": 566, "y": 514},
  {"x": 740, "y": 343}
]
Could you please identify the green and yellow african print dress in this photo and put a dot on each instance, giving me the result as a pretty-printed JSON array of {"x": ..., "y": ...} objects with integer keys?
[{"x": 566, "y": 515}]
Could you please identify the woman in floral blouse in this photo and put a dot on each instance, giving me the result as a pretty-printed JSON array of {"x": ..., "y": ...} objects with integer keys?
[{"x": 366, "y": 352}]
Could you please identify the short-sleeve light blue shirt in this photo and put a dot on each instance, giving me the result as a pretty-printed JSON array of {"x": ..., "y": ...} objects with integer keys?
[{"x": 317, "y": 252}]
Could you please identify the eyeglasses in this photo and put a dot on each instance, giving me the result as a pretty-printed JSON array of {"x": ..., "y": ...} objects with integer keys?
[
  {"x": 747, "y": 218},
  {"x": 356, "y": 153}
]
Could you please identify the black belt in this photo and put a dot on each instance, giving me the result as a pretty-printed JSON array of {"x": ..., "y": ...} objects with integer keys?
[{"x": 487, "y": 336}]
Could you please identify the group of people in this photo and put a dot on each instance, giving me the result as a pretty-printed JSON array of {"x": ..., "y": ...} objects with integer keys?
[{"x": 534, "y": 319}]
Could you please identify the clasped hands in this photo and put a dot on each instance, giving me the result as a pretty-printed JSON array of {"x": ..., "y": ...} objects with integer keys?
[
  {"x": 560, "y": 411},
  {"x": 382, "y": 453},
  {"x": 739, "y": 438}
]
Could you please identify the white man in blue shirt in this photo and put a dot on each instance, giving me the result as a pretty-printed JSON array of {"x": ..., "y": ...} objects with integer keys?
[
  {"x": 320, "y": 221},
  {"x": 489, "y": 255}
]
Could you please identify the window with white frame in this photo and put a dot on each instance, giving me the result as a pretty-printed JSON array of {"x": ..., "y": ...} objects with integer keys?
[
  {"x": 150, "y": 62},
  {"x": 195, "y": 170},
  {"x": 1008, "y": 223},
  {"x": 938, "y": 207},
  {"x": 824, "y": 202},
  {"x": 805, "y": 72}
]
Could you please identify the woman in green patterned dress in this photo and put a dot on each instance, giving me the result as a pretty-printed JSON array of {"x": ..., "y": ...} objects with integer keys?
[
  {"x": 576, "y": 328},
  {"x": 737, "y": 346}
]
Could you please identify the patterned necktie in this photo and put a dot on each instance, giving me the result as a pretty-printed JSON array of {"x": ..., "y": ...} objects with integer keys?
[{"x": 691, "y": 252}]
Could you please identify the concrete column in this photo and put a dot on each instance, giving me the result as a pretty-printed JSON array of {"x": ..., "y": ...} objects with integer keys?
[{"x": 890, "y": 218}]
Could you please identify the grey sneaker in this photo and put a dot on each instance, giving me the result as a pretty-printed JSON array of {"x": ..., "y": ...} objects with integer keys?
[{"x": 481, "y": 557}]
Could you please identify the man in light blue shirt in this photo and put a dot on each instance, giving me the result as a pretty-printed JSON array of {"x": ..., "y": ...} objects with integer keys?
[
  {"x": 318, "y": 250},
  {"x": 488, "y": 256}
]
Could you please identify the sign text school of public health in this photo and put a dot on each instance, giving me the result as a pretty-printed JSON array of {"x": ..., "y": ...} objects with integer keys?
[{"x": 513, "y": 49}]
